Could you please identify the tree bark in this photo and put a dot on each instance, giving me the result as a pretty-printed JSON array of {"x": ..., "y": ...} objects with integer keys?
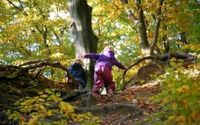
[
  {"x": 84, "y": 38},
  {"x": 165, "y": 41},
  {"x": 144, "y": 44},
  {"x": 142, "y": 30},
  {"x": 157, "y": 26}
]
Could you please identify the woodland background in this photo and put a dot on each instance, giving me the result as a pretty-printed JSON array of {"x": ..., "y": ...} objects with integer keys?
[{"x": 158, "y": 40}]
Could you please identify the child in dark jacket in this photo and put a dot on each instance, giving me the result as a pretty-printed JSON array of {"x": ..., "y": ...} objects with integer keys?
[
  {"x": 78, "y": 72},
  {"x": 102, "y": 72}
]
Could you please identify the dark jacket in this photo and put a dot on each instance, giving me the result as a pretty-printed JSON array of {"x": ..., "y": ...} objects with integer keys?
[{"x": 77, "y": 71}]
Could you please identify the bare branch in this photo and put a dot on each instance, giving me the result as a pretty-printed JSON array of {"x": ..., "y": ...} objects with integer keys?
[
  {"x": 40, "y": 63},
  {"x": 18, "y": 8},
  {"x": 11, "y": 3},
  {"x": 131, "y": 15},
  {"x": 56, "y": 35}
]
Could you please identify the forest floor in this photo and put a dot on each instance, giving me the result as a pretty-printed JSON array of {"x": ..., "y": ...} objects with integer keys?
[
  {"x": 127, "y": 107},
  {"x": 132, "y": 106},
  {"x": 138, "y": 97}
]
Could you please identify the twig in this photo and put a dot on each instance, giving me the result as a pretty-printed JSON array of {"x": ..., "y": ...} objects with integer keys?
[
  {"x": 136, "y": 63},
  {"x": 37, "y": 64}
]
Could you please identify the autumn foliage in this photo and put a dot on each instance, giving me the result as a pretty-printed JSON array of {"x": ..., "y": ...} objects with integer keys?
[{"x": 42, "y": 30}]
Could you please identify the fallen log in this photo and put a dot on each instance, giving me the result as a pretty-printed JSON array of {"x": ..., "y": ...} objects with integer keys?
[{"x": 188, "y": 58}]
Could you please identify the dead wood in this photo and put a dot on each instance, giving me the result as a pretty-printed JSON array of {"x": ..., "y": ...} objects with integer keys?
[
  {"x": 26, "y": 68},
  {"x": 36, "y": 64},
  {"x": 188, "y": 58},
  {"x": 165, "y": 57}
]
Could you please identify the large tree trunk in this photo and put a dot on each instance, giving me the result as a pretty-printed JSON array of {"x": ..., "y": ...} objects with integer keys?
[
  {"x": 84, "y": 38},
  {"x": 157, "y": 26},
  {"x": 144, "y": 44},
  {"x": 142, "y": 30}
]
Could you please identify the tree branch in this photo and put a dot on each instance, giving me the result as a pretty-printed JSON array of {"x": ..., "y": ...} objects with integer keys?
[
  {"x": 56, "y": 35},
  {"x": 136, "y": 63},
  {"x": 184, "y": 56},
  {"x": 40, "y": 63},
  {"x": 42, "y": 32},
  {"x": 18, "y": 8}
]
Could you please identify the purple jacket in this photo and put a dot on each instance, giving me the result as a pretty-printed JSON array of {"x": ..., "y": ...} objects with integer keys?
[{"x": 105, "y": 58}]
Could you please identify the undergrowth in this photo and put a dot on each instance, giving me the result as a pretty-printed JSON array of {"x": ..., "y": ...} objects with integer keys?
[
  {"x": 179, "y": 99},
  {"x": 47, "y": 109}
]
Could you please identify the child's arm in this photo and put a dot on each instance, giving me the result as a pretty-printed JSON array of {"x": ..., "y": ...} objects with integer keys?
[
  {"x": 94, "y": 56},
  {"x": 118, "y": 64}
]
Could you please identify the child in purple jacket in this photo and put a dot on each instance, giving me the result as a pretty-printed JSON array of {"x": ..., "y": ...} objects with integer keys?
[{"x": 102, "y": 72}]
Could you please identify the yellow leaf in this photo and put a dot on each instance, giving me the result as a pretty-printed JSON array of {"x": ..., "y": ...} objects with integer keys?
[
  {"x": 146, "y": 113},
  {"x": 181, "y": 119},
  {"x": 174, "y": 106},
  {"x": 183, "y": 89},
  {"x": 195, "y": 116},
  {"x": 57, "y": 55},
  {"x": 41, "y": 108},
  {"x": 171, "y": 118},
  {"x": 21, "y": 119},
  {"x": 33, "y": 121},
  {"x": 49, "y": 113}
]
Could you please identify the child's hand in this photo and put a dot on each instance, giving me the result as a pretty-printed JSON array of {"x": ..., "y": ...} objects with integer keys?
[{"x": 81, "y": 56}]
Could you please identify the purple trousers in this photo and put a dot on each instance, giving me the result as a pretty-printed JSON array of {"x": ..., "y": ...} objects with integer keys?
[{"x": 103, "y": 77}]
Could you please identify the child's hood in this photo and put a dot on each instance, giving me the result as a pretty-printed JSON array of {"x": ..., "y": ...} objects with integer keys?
[
  {"x": 109, "y": 54},
  {"x": 76, "y": 66}
]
